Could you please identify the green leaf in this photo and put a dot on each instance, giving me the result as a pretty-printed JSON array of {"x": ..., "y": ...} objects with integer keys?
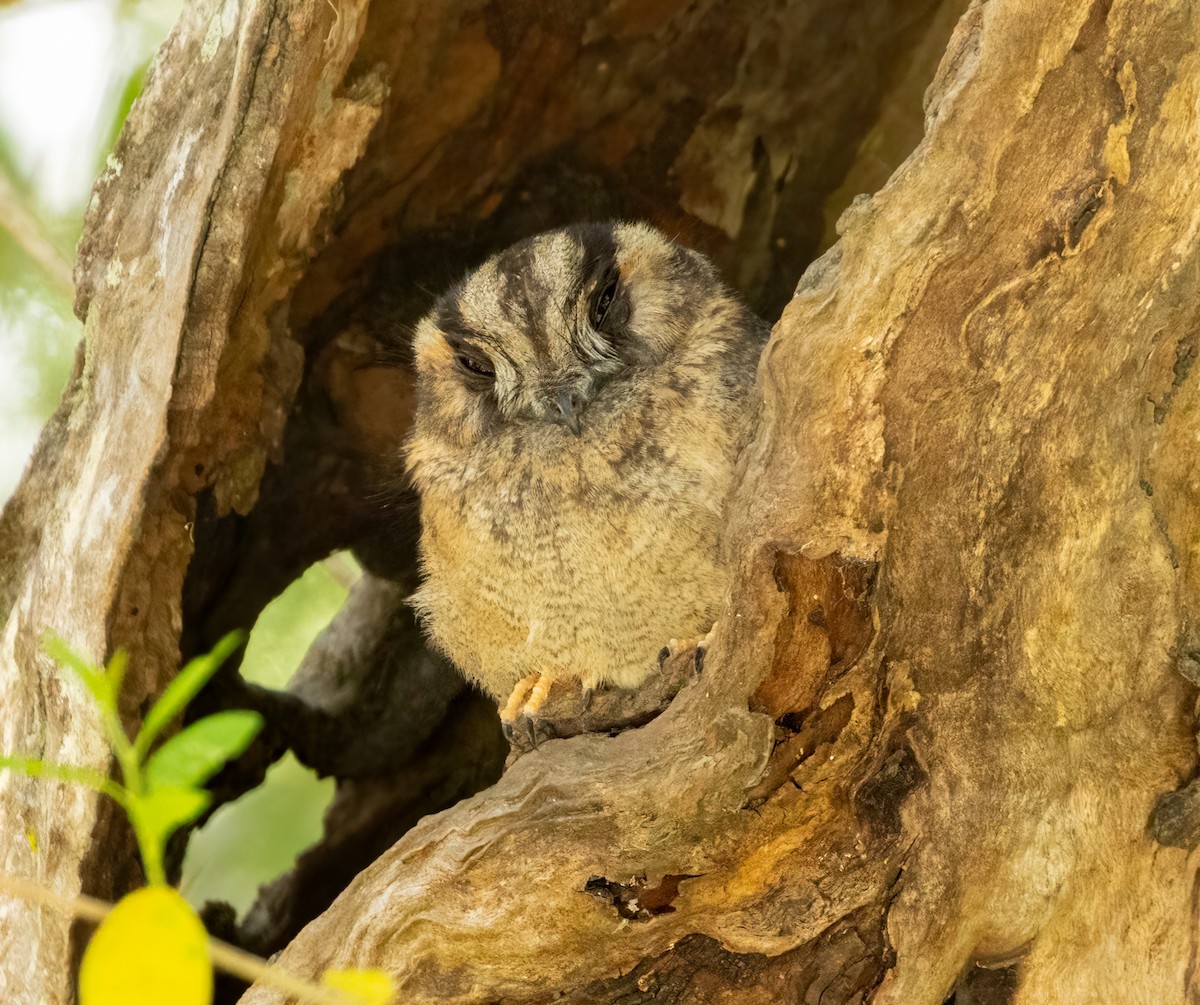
[
  {"x": 34, "y": 768},
  {"x": 182, "y": 689},
  {"x": 92, "y": 677},
  {"x": 158, "y": 814},
  {"x": 115, "y": 671},
  {"x": 194, "y": 754}
]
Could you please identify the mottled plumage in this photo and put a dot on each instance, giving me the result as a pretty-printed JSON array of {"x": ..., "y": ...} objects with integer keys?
[{"x": 582, "y": 398}]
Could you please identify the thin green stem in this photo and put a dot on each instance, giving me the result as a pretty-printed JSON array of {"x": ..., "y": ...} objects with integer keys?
[
  {"x": 34, "y": 768},
  {"x": 152, "y": 858},
  {"x": 131, "y": 774},
  {"x": 149, "y": 842}
]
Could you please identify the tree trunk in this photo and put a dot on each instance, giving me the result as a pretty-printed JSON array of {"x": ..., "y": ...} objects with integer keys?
[{"x": 943, "y": 741}]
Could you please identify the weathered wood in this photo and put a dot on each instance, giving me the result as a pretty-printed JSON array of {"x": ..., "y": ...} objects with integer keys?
[
  {"x": 948, "y": 692},
  {"x": 462, "y": 755},
  {"x": 226, "y": 180},
  {"x": 977, "y": 389}
]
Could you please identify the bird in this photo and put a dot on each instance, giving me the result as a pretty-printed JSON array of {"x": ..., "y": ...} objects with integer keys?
[{"x": 581, "y": 401}]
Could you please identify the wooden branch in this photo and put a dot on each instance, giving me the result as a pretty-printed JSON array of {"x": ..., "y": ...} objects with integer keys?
[{"x": 970, "y": 391}]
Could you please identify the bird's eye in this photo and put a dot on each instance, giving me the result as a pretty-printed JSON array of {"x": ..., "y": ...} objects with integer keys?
[
  {"x": 603, "y": 300},
  {"x": 477, "y": 366}
]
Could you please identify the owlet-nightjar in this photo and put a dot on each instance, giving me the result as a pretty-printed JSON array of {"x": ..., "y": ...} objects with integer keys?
[{"x": 581, "y": 401}]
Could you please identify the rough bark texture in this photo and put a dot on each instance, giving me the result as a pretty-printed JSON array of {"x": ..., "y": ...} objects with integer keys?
[{"x": 943, "y": 740}]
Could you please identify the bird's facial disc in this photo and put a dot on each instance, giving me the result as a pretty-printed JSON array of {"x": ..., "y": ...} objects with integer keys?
[{"x": 538, "y": 331}]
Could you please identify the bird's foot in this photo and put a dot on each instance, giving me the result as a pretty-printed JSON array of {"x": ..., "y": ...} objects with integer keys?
[
  {"x": 595, "y": 708},
  {"x": 519, "y": 716},
  {"x": 699, "y": 646}
]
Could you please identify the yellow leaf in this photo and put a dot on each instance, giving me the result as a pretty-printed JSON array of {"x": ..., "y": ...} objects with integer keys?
[
  {"x": 369, "y": 987},
  {"x": 150, "y": 950}
]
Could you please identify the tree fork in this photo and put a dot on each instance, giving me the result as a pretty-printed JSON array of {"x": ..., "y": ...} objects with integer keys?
[{"x": 942, "y": 742}]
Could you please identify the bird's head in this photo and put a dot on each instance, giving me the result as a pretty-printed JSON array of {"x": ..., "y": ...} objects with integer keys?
[{"x": 549, "y": 328}]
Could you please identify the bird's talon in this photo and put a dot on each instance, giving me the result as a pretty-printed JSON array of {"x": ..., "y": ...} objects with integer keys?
[
  {"x": 587, "y": 700},
  {"x": 698, "y": 645}
]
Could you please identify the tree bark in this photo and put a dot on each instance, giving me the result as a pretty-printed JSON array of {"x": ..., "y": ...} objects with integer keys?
[{"x": 943, "y": 744}]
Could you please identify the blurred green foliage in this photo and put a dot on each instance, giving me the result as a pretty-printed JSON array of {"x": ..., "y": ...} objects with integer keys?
[
  {"x": 253, "y": 839},
  {"x": 287, "y": 627},
  {"x": 38, "y": 332},
  {"x": 128, "y": 94}
]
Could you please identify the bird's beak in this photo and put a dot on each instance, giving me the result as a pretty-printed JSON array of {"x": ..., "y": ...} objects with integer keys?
[{"x": 565, "y": 408}]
